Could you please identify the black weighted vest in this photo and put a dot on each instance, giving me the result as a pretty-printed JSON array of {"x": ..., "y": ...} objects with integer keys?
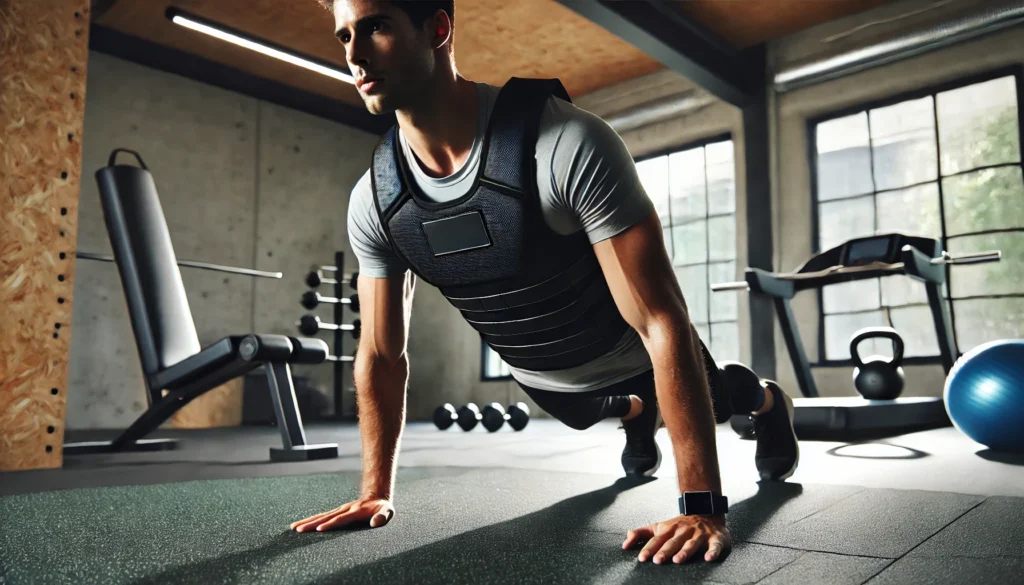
[{"x": 538, "y": 298}]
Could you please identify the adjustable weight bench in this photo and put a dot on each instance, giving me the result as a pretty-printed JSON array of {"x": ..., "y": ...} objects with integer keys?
[{"x": 175, "y": 367}]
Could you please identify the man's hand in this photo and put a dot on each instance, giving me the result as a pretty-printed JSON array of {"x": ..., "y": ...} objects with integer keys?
[
  {"x": 378, "y": 512},
  {"x": 680, "y": 537}
]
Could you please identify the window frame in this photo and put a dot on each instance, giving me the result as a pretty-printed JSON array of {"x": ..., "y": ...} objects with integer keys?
[
  {"x": 700, "y": 143},
  {"x": 929, "y": 90}
]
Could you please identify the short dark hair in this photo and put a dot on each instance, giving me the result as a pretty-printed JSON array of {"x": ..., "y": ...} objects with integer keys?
[{"x": 417, "y": 10}]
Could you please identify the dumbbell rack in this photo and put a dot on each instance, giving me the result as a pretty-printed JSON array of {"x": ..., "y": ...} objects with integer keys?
[{"x": 338, "y": 347}]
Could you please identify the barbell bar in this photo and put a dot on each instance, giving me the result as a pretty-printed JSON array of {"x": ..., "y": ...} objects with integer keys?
[{"x": 192, "y": 264}]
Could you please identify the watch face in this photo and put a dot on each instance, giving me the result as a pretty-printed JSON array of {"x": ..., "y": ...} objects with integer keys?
[{"x": 697, "y": 504}]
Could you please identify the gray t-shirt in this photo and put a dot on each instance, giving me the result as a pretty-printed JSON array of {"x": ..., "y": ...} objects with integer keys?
[{"x": 587, "y": 181}]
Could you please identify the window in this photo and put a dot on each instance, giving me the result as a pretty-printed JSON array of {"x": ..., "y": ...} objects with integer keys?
[
  {"x": 494, "y": 367},
  {"x": 945, "y": 163},
  {"x": 694, "y": 192}
]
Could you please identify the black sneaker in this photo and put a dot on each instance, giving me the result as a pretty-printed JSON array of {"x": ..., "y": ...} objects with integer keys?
[
  {"x": 641, "y": 457},
  {"x": 778, "y": 452}
]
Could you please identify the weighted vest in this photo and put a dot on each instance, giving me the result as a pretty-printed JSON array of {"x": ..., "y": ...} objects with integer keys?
[{"x": 538, "y": 298}]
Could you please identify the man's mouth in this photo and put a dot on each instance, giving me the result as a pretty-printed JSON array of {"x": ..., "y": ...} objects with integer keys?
[{"x": 368, "y": 84}]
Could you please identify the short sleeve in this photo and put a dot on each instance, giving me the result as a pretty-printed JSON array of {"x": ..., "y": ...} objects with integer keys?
[{"x": 367, "y": 237}]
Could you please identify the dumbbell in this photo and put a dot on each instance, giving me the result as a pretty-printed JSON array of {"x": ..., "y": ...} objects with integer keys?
[
  {"x": 494, "y": 416},
  {"x": 468, "y": 416},
  {"x": 315, "y": 278},
  {"x": 311, "y": 325},
  {"x": 310, "y": 299}
]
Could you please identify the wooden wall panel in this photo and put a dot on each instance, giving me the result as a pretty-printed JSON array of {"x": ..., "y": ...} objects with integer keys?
[
  {"x": 43, "y": 54},
  {"x": 220, "y": 407},
  {"x": 747, "y": 23}
]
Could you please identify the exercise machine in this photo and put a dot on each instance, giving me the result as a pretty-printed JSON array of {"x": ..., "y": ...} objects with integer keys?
[
  {"x": 849, "y": 418},
  {"x": 176, "y": 368}
]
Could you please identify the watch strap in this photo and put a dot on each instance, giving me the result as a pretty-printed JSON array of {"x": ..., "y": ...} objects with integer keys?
[{"x": 702, "y": 504}]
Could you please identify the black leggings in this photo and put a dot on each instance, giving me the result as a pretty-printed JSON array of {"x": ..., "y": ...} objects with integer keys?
[{"x": 582, "y": 410}]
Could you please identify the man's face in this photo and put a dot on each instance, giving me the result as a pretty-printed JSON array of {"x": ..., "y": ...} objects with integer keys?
[{"x": 389, "y": 58}]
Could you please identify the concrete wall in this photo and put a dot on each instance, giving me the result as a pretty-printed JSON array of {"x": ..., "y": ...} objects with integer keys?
[{"x": 242, "y": 183}]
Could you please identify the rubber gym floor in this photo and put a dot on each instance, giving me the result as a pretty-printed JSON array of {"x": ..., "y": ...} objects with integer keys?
[{"x": 545, "y": 505}]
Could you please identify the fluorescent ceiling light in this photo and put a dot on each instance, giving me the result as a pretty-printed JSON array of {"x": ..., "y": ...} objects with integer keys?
[{"x": 263, "y": 47}]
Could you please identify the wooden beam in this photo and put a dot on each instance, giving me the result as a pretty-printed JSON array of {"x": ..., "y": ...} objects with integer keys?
[{"x": 44, "y": 47}]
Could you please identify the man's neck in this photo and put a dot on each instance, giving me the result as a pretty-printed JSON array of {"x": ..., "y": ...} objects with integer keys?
[{"x": 441, "y": 129}]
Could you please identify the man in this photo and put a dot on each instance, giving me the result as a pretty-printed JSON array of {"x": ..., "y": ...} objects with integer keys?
[{"x": 528, "y": 215}]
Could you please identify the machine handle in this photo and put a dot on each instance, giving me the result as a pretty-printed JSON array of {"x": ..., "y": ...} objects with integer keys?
[
  {"x": 971, "y": 258},
  {"x": 740, "y": 285}
]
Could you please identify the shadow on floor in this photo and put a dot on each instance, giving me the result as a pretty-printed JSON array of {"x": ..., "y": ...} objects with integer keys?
[
  {"x": 1001, "y": 457},
  {"x": 877, "y": 450}
]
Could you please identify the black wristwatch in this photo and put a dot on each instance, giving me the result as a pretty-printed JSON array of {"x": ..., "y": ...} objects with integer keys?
[{"x": 702, "y": 504}]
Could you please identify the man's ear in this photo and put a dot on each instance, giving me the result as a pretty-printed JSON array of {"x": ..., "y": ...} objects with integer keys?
[{"x": 442, "y": 29}]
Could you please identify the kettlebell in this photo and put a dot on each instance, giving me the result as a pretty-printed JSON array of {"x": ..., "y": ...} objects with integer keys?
[{"x": 878, "y": 377}]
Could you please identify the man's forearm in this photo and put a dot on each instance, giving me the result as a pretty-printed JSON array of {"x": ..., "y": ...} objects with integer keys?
[
  {"x": 381, "y": 396},
  {"x": 685, "y": 403}
]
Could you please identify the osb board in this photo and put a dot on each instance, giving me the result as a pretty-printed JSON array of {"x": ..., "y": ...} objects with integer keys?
[
  {"x": 494, "y": 40},
  {"x": 43, "y": 53},
  {"x": 220, "y": 407},
  {"x": 749, "y": 22}
]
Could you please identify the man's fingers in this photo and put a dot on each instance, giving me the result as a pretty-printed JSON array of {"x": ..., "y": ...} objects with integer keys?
[
  {"x": 654, "y": 544},
  {"x": 638, "y": 535},
  {"x": 314, "y": 518},
  {"x": 691, "y": 545},
  {"x": 382, "y": 517},
  {"x": 337, "y": 521},
  {"x": 671, "y": 546},
  {"x": 716, "y": 546}
]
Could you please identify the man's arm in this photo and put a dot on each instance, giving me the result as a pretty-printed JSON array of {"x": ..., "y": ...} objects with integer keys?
[
  {"x": 381, "y": 375},
  {"x": 639, "y": 273},
  {"x": 381, "y": 366}
]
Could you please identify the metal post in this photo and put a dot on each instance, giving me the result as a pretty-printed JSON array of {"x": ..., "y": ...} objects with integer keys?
[
  {"x": 339, "y": 337},
  {"x": 756, "y": 147},
  {"x": 943, "y": 325},
  {"x": 801, "y": 366},
  {"x": 286, "y": 407}
]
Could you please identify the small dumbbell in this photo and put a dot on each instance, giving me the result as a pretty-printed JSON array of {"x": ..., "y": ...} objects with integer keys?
[
  {"x": 494, "y": 416},
  {"x": 467, "y": 417},
  {"x": 310, "y": 299},
  {"x": 311, "y": 325},
  {"x": 315, "y": 278},
  {"x": 445, "y": 416}
]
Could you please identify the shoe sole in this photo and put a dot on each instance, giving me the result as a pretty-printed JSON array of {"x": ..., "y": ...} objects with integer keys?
[{"x": 790, "y": 410}]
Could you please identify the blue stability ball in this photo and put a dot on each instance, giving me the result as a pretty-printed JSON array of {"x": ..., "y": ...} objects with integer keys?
[{"x": 984, "y": 395}]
